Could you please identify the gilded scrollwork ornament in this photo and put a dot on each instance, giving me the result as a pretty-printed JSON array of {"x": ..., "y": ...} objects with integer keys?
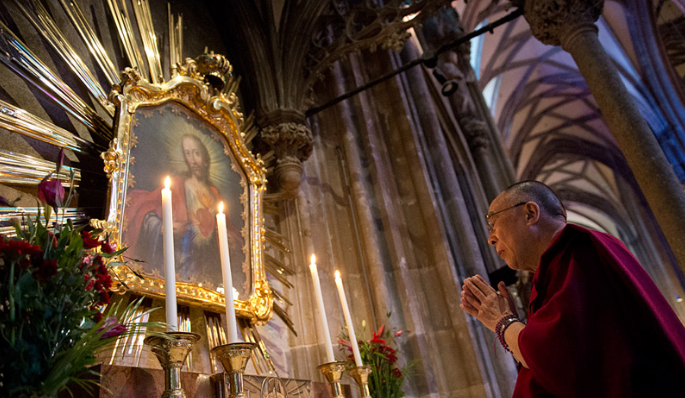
[
  {"x": 215, "y": 68},
  {"x": 261, "y": 302},
  {"x": 113, "y": 158},
  {"x": 212, "y": 111},
  {"x": 105, "y": 226}
]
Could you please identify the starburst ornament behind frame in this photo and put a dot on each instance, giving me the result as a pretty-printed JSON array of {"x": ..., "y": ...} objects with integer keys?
[{"x": 211, "y": 72}]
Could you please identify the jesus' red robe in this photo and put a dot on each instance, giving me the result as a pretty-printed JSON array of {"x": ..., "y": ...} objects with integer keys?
[{"x": 598, "y": 326}]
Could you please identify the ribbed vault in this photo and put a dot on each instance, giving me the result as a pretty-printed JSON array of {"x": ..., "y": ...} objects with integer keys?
[{"x": 548, "y": 120}]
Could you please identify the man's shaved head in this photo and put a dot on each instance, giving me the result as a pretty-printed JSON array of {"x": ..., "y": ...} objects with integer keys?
[{"x": 534, "y": 191}]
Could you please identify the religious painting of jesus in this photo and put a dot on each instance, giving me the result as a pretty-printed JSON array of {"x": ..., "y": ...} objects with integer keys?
[{"x": 170, "y": 140}]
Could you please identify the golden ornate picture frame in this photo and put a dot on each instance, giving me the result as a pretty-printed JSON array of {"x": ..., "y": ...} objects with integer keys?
[{"x": 156, "y": 124}]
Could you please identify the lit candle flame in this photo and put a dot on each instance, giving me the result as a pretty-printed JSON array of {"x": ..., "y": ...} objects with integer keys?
[
  {"x": 167, "y": 182},
  {"x": 313, "y": 259},
  {"x": 337, "y": 274},
  {"x": 221, "y": 207}
]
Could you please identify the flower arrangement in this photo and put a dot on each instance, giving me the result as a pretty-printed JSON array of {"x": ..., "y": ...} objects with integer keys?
[
  {"x": 54, "y": 287},
  {"x": 381, "y": 353}
]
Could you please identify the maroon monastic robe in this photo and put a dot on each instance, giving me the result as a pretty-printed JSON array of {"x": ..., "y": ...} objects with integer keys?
[{"x": 598, "y": 326}]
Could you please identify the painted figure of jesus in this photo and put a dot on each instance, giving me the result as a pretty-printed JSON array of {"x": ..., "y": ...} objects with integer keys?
[{"x": 195, "y": 201}]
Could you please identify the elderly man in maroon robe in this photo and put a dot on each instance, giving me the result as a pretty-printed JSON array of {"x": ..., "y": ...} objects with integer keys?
[{"x": 597, "y": 325}]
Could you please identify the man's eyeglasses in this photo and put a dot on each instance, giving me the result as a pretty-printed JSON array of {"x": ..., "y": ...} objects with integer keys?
[{"x": 488, "y": 217}]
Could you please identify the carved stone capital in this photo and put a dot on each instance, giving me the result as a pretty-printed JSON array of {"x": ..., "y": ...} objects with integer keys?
[
  {"x": 286, "y": 133},
  {"x": 289, "y": 140},
  {"x": 552, "y": 20}
]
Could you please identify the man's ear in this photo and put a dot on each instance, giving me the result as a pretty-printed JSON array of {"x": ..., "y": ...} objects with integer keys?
[{"x": 532, "y": 211}]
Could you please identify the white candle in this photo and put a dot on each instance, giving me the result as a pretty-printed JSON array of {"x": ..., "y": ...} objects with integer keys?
[
  {"x": 169, "y": 266},
  {"x": 348, "y": 319},
  {"x": 226, "y": 272},
  {"x": 323, "y": 322}
]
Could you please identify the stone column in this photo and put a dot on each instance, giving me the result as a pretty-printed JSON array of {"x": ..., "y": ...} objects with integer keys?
[
  {"x": 477, "y": 137},
  {"x": 571, "y": 24},
  {"x": 285, "y": 132},
  {"x": 453, "y": 69}
]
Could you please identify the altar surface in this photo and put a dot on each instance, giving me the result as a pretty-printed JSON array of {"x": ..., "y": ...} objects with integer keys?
[{"x": 131, "y": 382}]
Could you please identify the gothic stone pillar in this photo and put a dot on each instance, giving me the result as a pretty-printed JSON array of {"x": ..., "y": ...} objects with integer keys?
[
  {"x": 455, "y": 68},
  {"x": 571, "y": 24},
  {"x": 286, "y": 133}
]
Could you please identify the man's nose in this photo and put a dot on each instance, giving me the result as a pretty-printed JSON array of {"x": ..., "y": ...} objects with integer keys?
[{"x": 492, "y": 239}]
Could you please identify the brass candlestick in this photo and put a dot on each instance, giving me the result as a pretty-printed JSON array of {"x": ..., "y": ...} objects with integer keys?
[
  {"x": 234, "y": 357},
  {"x": 333, "y": 372},
  {"x": 361, "y": 374},
  {"x": 171, "y": 351}
]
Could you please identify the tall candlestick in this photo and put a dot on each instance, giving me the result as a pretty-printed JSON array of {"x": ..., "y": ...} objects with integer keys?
[
  {"x": 323, "y": 322},
  {"x": 226, "y": 272},
  {"x": 348, "y": 320},
  {"x": 169, "y": 266}
]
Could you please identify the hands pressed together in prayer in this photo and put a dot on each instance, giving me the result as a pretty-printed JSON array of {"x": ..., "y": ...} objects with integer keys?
[
  {"x": 490, "y": 306},
  {"x": 479, "y": 299}
]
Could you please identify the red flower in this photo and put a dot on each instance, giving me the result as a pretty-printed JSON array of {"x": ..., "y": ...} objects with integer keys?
[
  {"x": 102, "y": 268},
  {"x": 103, "y": 283},
  {"x": 111, "y": 328},
  {"x": 47, "y": 269},
  {"x": 108, "y": 248},
  {"x": 88, "y": 241},
  {"x": 377, "y": 336},
  {"x": 53, "y": 239},
  {"x": 397, "y": 373},
  {"x": 104, "y": 298},
  {"x": 51, "y": 191},
  {"x": 90, "y": 282},
  {"x": 114, "y": 331},
  {"x": 399, "y": 333},
  {"x": 19, "y": 247},
  {"x": 97, "y": 315},
  {"x": 97, "y": 261},
  {"x": 380, "y": 331}
]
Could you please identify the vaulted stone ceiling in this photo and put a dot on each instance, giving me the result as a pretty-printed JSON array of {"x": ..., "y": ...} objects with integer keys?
[{"x": 548, "y": 120}]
